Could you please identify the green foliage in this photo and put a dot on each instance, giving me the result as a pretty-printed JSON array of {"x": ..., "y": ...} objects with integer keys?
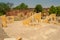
[
  {"x": 1, "y": 14},
  {"x": 21, "y": 6},
  {"x": 52, "y": 10},
  {"x": 4, "y": 8},
  {"x": 38, "y": 8},
  {"x": 58, "y": 10},
  {"x": 55, "y": 10}
]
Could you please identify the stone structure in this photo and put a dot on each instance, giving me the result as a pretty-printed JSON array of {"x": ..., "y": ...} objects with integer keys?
[
  {"x": 37, "y": 18},
  {"x": 46, "y": 20},
  {"x": 10, "y": 19},
  {"x": 4, "y": 21},
  {"x": 53, "y": 18},
  {"x": 33, "y": 19},
  {"x": 27, "y": 21}
]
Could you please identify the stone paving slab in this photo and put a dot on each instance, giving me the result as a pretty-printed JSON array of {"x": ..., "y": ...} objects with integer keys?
[{"x": 46, "y": 32}]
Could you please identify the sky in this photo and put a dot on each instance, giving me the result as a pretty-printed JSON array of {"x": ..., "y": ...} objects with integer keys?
[{"x": 33, "y": 3}]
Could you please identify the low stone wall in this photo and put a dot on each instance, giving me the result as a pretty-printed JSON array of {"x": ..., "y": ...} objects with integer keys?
[
  {"x": 4, "y": 20},
  {"x": 37, "y": 18}
]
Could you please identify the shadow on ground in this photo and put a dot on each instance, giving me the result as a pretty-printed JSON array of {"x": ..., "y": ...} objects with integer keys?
[{"x": 3, "y": 34}]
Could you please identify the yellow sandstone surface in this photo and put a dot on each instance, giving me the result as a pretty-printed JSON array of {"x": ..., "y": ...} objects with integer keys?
[
  {"x": 37, "y": 17},
  {"x": 46, "y": 20},
  {"x": 29, "y": 20},
  {"x": 4, "y": 21},
  {"x": 53, "y": 17},
  {"x": 26, "y": 22}
]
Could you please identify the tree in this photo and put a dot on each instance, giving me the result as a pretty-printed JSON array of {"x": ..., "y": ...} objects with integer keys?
[
  {"x": 58, "y": 10},
  {"x": 52, "y": 10},
  {"x": 38, "y": 8},
  {"x": 4, "y": 8},
  {"x": 21, "y": 6}
]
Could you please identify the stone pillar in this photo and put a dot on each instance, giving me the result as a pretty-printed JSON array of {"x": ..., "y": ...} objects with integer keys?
[
  {"x": 4, "y": 21},
  {"x": 37, "y": 17},
  {"x": 53, "y": 18},
  {"x": 26, "y": 21},
  {"x": 46, "y": 20}
]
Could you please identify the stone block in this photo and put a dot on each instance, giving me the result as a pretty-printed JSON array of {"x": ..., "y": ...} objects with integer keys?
[
  {"x": 53, "y": 17},
  {"x": 46, "y": 20},
  {"x": 4, "y": 21},
  {"x": 26, "y": 22},
  {"x": 37, "y": 17}
]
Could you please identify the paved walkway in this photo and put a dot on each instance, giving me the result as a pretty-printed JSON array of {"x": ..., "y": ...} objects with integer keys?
[
  {"x": 40, "y": 32},
  {"x": 2, "y": 34}
]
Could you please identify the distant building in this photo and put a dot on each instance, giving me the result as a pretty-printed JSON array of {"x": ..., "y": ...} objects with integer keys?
[{"x": 14, "y": 12}]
